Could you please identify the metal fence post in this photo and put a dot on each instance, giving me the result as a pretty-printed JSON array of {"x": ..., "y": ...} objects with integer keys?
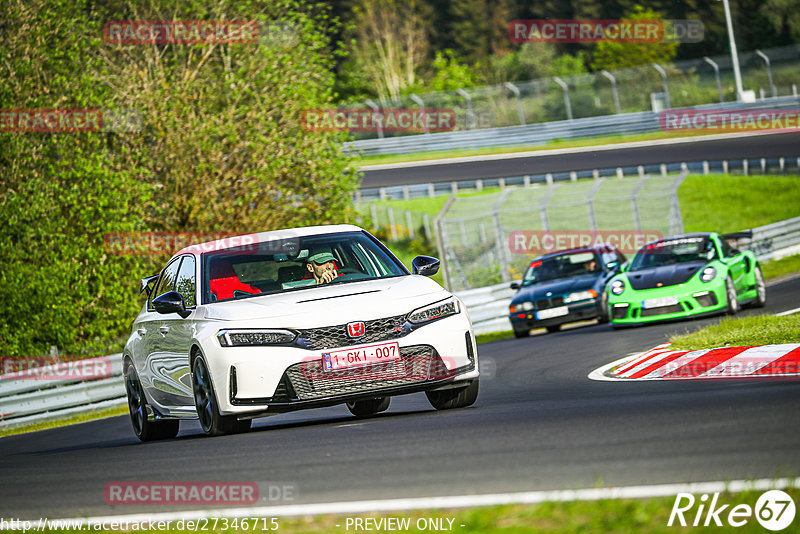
[
  {"x": 470, "y": 114},
  {"x": 514, "y": 89},
  {"x": 441, "y": 243},
  {"x": 426, "y": 223},
  {"x": 716, "y": 75},
  {"x": 772, "y": 87},
  {"x": 378, "y": 117},
  {"x": 410, "y": 224},
  {"x": 499, "y": 240},
  {"x": 392, "y": 226},
  {"x": 418, "y": 101},
  {"x": 663, "y": 74},
  {"x": 614, "y": 91},
  {"x": 374, "y": 212},
  {"x": 637, "y": 221},
  {"x": 565, "y": 89},
  {"x": 543, "y": 207},
  {"x": 675, "y": 219},
  {"x": 590, "y": 203}
]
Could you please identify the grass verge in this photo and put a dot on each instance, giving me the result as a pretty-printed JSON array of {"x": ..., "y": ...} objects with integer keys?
[
  {"x": 80, "y": 418},
  {"x": 742, "y": 331},
  {"x": 781, "y": 267},
  {"x": 552, "y": 145},
  {"x": 620, "y": 516}
]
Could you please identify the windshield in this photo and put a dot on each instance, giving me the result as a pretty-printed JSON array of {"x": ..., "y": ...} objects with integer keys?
[
  {"x": 674, "y": 251},
  {"x": 295, "y": 264},
  {"x": 562, "y": 266}
]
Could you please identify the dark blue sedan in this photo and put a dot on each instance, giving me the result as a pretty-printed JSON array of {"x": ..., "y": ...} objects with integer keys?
[{"x": 564, "y": 287}]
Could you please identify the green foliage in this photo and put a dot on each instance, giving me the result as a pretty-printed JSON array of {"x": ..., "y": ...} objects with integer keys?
[
  {"x": 617, "y": 55},
  {"x": 567, "y": 65},
  {"x": 221, "y": 149},
  {"x": 449, "y": 74}
]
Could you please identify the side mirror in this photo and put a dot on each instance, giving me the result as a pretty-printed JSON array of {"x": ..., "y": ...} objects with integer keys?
[
  {"x": 515, "y": 285},
  {"x": 612, "y": 265},
  {"x": 425, "y": 265},
  {"x": 171, "y": 302}
]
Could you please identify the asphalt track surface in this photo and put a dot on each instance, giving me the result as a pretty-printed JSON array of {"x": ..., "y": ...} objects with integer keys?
[
  {"x": 697, "y": 149},
  {"x": 539, "y": 423}
]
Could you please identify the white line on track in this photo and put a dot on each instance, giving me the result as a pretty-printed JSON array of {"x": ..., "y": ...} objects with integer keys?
[
  {"x": 458, "y": 501},
  {"x": 560, "y": 151},
  {"x": 787, "y": 312}
]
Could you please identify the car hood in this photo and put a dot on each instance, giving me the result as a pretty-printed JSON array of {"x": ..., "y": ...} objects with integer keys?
[
  {"x": 666, "y": 275},
  {"x": 557, "y": 287},
  {"x": 334, "y": 304}
]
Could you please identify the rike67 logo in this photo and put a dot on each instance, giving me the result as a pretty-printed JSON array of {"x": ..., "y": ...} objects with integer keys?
[{"x": 774, "y": 510}]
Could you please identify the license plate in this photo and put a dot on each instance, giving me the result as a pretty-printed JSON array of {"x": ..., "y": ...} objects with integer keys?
[
  {"x": 552, "y": 312},
  {"x": 659, "y": 302},
  {"x": 358, "y": 356}
]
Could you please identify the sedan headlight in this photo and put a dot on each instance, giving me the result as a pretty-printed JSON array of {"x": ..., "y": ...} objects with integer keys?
[
  {"x": 581, "y": 295},
  {"x": 617, "y": 287},
  {"x": 254, "y": 338},
  {"x": 435, "y": 311},
  {"x": 708, "y": 274},
  {"x": 520, "y": 306}
]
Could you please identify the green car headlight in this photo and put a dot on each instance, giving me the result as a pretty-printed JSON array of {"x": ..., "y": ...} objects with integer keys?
[
  {"x": 617, "y": 287},
  {"x": 708, "y": 274}
]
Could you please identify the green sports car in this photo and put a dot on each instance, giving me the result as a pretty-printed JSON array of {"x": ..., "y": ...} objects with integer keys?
[{"x": 685, "y": 276}]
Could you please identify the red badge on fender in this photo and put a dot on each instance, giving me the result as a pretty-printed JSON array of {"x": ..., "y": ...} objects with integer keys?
[{"x": 355, "y": 329}]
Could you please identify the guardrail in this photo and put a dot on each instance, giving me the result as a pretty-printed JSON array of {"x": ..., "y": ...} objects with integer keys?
[
  {"x": 534, "y": 134},
  {"x": 745, "y": 166},
  {"x": 488, "y": 306},
  {"x": 34, "y": 401}
]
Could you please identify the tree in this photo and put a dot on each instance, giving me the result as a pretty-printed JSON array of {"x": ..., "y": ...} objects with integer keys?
[
  {"x": 617, "y": 55},
  {"x": 389, "y": 43}
]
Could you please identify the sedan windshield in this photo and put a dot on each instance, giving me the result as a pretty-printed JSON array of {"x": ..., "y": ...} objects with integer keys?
[
  {"x": 674, "y": 251},
  {"x": 294, "y": 264},
  {"x": 562, "y": 266}
]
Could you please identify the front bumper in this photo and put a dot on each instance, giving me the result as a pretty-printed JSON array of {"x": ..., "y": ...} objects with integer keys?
[
  {"x": 693, "y": 300},
  {"x": 266, "y": 380},
  {"x": 578, "y": 311}
]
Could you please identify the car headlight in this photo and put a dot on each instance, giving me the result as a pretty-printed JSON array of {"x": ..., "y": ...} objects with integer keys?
[
  {"x": 520, "y": 306},
  {"x": 581, "y": 295},
  {"x": 435, "y": 311},
  {"x": 617, "y": 287},
  {"x": 708, "y": 274},
  {"x": 254, "y": 338}
]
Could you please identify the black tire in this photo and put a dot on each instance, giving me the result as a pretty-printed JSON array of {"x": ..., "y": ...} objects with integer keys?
[
  {"x": 603, "y": 318},
  {"x": 521, "y": 333},
  {"x": 368, "y": 407},
  {"x": 448, "y": 399},
  {"x": 553, "y": 328},
  {"x": 137, "y": 407},
  {"x": 205, "y": 401},
  {"x": 731, "y": 299},
  {"x": 761, "y": 289}
]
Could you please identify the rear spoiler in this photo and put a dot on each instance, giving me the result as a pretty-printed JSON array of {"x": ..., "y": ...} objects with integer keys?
[
  {"x": 146, "y": 284},
  {"x": 747, "y": 234}
]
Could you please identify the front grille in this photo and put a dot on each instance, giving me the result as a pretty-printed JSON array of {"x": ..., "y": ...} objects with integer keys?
[
  {"x": 329, "y": 337},
  {"x": 661, "y": 310},
  {"x": 417, "y": 363},
  {"x": 554, "y": 302}
]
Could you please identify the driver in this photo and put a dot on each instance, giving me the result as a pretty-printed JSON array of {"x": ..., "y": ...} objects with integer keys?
[{"x": 321, "y": 265}]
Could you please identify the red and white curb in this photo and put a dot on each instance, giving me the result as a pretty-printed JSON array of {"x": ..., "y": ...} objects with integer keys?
[{"x": 661, "y": 363}]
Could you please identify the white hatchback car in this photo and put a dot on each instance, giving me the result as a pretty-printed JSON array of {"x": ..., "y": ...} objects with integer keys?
[{"x": 273, "y": 322}]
